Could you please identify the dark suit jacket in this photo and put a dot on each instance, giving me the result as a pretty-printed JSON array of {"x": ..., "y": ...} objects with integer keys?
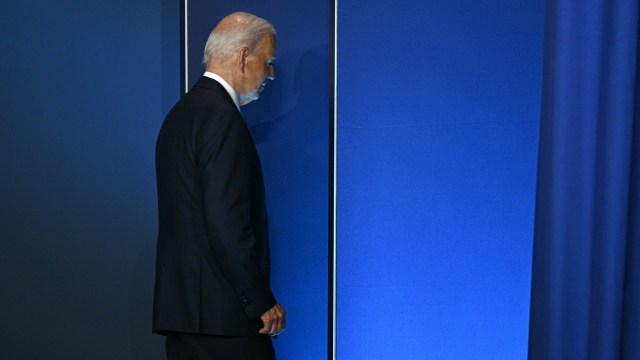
[{"x": 212, "y": 250}]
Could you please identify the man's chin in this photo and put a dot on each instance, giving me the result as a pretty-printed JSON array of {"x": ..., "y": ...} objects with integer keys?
[{"x": 248, "y": 99}]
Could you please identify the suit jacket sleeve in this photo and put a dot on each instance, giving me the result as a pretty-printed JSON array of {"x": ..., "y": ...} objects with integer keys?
[{"x": 227, "y": 168}]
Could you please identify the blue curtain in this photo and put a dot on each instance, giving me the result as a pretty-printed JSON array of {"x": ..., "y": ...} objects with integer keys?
[{"x": 585, "y": 301}]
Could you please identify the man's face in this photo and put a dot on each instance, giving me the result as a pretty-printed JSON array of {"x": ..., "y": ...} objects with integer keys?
[{"x": 258, "y": 70}]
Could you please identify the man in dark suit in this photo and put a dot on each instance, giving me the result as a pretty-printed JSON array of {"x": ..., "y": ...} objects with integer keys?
[{"x": 212, "y": 296}]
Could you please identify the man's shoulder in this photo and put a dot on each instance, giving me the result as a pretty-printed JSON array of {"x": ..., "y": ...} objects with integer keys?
[
  {"x": 208, "y": 93},
  {"x": 207, "y": 85},
  {"x": 206, "y": 105}
]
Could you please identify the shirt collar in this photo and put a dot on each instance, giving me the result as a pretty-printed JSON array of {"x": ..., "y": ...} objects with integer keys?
[{"x": 226, "y": 86}]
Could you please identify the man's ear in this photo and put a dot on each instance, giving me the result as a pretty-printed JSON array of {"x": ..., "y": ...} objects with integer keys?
[{"x": 244, "y": 54}]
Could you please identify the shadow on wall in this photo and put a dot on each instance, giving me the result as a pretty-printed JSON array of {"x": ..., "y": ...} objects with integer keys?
[
  {"x": 290, "y": 126},
  {"x": 304, "y": 95}
]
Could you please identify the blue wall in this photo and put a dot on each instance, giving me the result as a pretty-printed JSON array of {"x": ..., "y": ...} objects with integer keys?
[
  {"x": 85, "y": 86},
  {"x": 438, "y": 108},
  {"x": 290, "y": 124}
]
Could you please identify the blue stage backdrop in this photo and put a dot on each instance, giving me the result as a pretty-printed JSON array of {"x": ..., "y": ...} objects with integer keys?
[
  {"x": 438, "y": 117},
  {"x": 85, "y": 86},
  {"x": 290, "y": 125}
]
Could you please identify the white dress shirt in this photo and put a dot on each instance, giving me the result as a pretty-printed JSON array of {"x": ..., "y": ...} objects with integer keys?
[{"x": 226, "y": 86}]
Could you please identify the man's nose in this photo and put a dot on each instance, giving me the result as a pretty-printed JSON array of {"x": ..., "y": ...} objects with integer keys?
[{"x": 272, "y": 72}]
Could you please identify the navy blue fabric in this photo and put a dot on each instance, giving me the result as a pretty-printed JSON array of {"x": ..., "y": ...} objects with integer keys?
[
  {"x": 210, "y": 347},
  {"x": 585, "y": 290}
]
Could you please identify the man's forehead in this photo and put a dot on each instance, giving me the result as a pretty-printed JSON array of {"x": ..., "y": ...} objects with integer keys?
[{"x": 270, "y": 41}]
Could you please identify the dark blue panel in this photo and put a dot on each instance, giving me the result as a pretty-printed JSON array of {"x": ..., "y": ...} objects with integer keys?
[
  {"x": 438, "y": 107},
  {"x": 85, "y": 85},
  {"x": 290, "y": 124}
]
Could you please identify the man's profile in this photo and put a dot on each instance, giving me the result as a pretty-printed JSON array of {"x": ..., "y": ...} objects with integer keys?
[{"x": 212, "y": 297}]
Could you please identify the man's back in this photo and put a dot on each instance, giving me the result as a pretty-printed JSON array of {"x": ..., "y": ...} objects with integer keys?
[{"x": 212, "y": 244}]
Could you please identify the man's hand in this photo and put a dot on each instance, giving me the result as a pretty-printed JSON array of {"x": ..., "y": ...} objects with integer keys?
[{"x": 273, "y": 321}]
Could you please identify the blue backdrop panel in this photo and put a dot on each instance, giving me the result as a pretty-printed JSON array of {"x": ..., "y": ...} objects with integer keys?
[
  {"x": 85, "y": 85},
  {"x": 438, "y": 107},
  {"x": 290, "y": 125}
]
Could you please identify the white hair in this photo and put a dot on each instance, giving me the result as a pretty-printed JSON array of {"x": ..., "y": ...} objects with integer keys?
[{"x": 246, "y": 32}]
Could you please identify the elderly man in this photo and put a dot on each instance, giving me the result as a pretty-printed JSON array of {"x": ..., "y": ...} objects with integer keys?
[{"x": 212, "y": 296}]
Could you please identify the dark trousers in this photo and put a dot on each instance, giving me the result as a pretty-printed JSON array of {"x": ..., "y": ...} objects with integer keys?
[{"x": 180, "y": 346}]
